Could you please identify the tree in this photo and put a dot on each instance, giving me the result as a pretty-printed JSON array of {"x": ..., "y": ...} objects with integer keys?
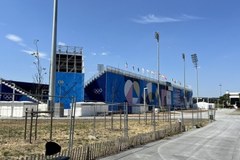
[{"x": 41, "y": 71}]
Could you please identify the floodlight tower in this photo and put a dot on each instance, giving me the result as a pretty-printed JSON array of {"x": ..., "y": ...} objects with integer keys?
[
  {"x": 195, "y": 63},
  {"x": 184, "y": 76},
  {"x": 157, "y": 38}
]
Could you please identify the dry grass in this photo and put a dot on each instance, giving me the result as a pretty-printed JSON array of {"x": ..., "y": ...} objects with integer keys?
[{"x": 12, "y": 143}]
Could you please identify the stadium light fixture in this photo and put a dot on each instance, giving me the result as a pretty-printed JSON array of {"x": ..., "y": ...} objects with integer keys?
[{"x": 195, "y": 63}]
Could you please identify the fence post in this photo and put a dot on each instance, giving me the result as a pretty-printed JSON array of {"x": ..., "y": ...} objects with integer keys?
[
  {"x": 139, "y": 114},
  {"x": 25, "y": 128},
  {"x": 72, "y": 121},
  {"x": 94, "y": 120},
  {"x": 154, "y": 124},
  {"x": 174, "y": 113},
  {"x": 51, "y": 122},
  {"x": 112, "y": 120},
  {"x": 126, "y": 120},
  {"x": 120, "y": 119},
  {"x": 197, "y": 116},
  {"x": 88, "y": 153},
  {"x": 192, "y": 118},
  {"x": 146, "y": 118},
  {"x": 36, "y": 123},
  {"x": 30, "y": 140},
  {"x": 163, "y": 115},
  {"x": 105, "y": 119},
  {"x": 170, "y": 118},
  {"x": 182, "y": 124},
  {"x": 201, "y": 116}
]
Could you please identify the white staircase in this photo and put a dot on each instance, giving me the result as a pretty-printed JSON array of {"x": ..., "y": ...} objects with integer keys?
[
  {"x": 96, "y": 76},
  {"x": 21, "y": 91}
]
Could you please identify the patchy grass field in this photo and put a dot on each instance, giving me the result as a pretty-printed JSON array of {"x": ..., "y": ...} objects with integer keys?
[{"x": 13, "y": 144}]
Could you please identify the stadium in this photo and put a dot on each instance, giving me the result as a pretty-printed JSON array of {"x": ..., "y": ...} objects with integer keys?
[
  {"x": 110, "y": 85},
  {"x": 113, "y": 85}
]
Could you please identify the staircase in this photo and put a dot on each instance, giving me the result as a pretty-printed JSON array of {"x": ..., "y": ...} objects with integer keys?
[
  {"x": 20, "y": 90},
  {"x": 96, "y": 76}
]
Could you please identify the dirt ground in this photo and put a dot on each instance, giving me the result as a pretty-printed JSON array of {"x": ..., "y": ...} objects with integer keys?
[{"x": 13, "y": 144}]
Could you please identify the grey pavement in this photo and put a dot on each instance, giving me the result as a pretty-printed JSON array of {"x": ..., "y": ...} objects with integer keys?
[{"x": 219, "y": 140}]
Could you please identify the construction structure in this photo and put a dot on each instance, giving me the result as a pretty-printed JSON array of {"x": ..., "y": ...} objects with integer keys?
[{"x": 69, "y": 75}]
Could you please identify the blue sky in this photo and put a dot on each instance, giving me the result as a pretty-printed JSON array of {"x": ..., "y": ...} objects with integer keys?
[{"x": 118, "y": 32}]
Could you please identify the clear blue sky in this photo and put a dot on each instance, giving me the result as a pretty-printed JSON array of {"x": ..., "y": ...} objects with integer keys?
[{"x": 115, "y": 32}]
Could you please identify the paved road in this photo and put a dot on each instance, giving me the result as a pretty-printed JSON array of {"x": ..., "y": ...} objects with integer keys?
[{"x": 219, "y": 140}]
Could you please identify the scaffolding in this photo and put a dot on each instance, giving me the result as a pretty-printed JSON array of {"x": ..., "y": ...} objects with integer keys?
[{"x": 69, "y": 59}]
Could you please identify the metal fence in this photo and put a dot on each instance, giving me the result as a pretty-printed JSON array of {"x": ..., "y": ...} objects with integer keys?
[{"x": 95, "y": 135}]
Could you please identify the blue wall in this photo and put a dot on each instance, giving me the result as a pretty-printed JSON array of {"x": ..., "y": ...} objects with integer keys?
[
  {"x": 69, "y": 85},
  {"x": 117, "y": 88},
  {"x": 31, "y": 88}
]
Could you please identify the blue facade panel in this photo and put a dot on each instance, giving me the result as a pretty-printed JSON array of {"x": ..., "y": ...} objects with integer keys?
[
  {"x": 6, "y": 93},
  {"x": 96, "y": 90},
  {"x": 127, "y": 89},
  {"x": 117, "y": 88},
  {"x": 69, "y": 85},
  {"x": 178, "y": 97}
]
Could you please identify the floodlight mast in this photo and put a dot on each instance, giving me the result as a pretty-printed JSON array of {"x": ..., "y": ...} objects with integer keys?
[
  {"x": 53, "y": 58},
  {"x": 195, "y": 63},
  {"x": 158, "y": 68},
  {"x": 184, "y": 76}
]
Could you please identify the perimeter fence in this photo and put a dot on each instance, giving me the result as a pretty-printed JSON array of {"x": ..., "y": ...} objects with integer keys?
[{"x": 90, "y": 130}]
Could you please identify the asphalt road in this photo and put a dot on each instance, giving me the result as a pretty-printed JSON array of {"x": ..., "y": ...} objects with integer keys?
[{"x": 219, "y": 140}]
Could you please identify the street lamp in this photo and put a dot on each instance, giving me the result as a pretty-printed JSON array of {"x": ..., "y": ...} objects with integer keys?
[
  {"x": 157, "y": 38},
  {"x": 195, "y": 62}
]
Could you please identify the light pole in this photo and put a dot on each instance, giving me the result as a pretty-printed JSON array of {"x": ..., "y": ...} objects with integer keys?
[
  {"x": 158, "y": 56},
  {"x": 220, "y": 93},
  {"x": 144, "y": 99},
  {"x": 184, "y": 76},
  {"x": 195, "y": 63},
  {"x": 53, "y": 57},
  {"x": 184, "y": 94},
  {"x": 220, "y": 89}
]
